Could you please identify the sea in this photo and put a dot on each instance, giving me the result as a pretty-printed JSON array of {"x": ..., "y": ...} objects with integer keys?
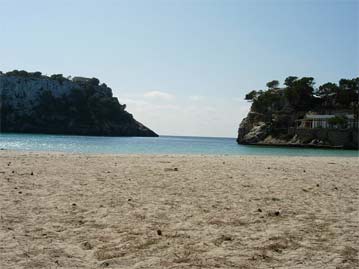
[{"x": 153, "y": 145}]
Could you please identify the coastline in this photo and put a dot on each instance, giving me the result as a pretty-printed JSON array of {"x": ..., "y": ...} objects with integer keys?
[
  {"x": 161, "y": 211},
  {"x": 195, "y": 155},
  {"x": 292, "y": 145}
]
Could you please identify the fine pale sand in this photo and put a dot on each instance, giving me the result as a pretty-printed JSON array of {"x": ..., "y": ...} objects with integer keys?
[{"x": 131, "y": 211}]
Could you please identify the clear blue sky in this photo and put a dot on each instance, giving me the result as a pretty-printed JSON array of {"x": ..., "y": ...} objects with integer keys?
[{"x": 183, "y": 67}]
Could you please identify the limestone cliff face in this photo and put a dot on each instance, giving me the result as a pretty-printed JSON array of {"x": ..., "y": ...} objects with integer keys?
[
  {"x": 31, "y": 102},
  {"x": 252, "y": 128},
  {"x": 266, "y": 127}
]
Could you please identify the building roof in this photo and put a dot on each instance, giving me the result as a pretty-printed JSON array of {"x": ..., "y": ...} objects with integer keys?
[
  {"x": 319, "y": 117},
  {"x": 324, "y": 117}
]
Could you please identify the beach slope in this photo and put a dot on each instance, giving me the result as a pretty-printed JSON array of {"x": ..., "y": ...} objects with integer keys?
[{"x": 137, "y": 211}]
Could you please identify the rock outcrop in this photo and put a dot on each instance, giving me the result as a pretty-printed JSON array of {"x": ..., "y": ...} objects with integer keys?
[
  {"x": 276, "y": 113},
  {"x": 254, "y": 130},
  {"x": 33, "y": 103}
]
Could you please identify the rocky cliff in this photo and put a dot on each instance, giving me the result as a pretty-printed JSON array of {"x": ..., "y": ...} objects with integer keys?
[
  {"x": 34, "y": 103},
  {"x": 254, "y": 131},
  {"x": 273, "y": 118}
]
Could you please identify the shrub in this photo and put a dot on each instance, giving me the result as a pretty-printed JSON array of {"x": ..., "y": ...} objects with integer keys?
[{"x": 340, "y": 121}]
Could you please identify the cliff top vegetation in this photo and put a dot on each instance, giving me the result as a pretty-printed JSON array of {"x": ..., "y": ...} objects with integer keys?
[{"x": 301, "y": 94}]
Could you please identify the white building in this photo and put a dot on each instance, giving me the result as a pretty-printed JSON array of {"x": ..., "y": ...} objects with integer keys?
[{"x": 312, "y": 121}]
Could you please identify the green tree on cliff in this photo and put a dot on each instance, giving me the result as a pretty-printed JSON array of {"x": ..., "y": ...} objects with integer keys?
[
  {"x": 301, "y": 95},
  {"x": 273, "y": 84},
  {"x": 299, "y": 92},
  {"x": 251, "y": 96}
]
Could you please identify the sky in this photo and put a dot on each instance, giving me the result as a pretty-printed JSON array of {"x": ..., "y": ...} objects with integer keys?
[{"x": 183, "y": 67}]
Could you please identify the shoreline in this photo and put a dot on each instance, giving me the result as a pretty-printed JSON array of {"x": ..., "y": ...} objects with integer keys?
[
  {"x": 3, "y": 150},
  {"x": 284, "y": 145}
]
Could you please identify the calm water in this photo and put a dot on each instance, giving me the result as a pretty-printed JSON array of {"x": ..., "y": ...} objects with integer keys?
[{"x": 158, "y": 145}]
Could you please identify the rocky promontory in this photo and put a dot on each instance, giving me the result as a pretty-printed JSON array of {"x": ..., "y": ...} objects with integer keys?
[
  {"x": 300, "y": 115},
  {"x": 35, "y": 103}
]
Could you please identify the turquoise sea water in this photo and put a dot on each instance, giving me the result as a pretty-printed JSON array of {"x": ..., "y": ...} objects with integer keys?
[{"x": 152, "y": 145}]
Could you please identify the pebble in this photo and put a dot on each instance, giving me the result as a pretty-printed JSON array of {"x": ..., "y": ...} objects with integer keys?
[
  {"x": 226, "y": 238},
  {"x": 86, "y": 245},
  {"x": 171, "y": 169},
  {"x": 105, "y": 264}
]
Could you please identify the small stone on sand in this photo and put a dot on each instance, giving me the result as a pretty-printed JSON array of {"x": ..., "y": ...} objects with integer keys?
[{"x": 86, "y": 245}]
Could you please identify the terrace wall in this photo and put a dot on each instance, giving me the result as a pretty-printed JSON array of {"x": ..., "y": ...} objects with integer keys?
[{"x": 347, "y": 138}]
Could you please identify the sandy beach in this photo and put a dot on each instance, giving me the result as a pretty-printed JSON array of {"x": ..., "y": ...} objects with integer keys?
[{"x": 141, "y": 211}]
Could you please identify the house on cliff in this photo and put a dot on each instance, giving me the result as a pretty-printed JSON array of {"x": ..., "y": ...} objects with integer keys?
[
  {"x": 334, "y": 121},
  {"x": 340, "y": 121},
  {"x": 335, "y": 130}
]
